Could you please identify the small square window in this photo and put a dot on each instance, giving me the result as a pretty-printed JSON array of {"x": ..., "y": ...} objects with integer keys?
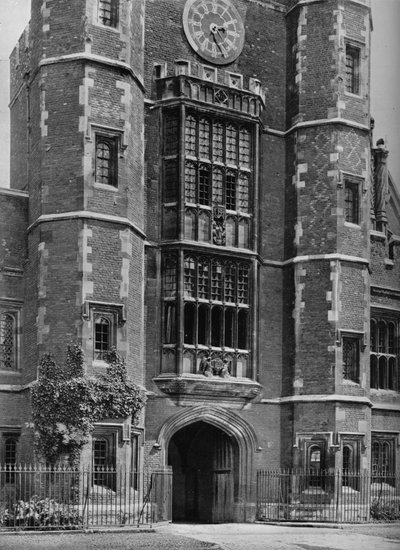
[
  {"x": 351, "y": 358},
  {"x": 108, "y": 12},
  {"x": 352, "y": 69},
  {"x": 106, "y": 165},
  {"x": 352, "y": 202}
]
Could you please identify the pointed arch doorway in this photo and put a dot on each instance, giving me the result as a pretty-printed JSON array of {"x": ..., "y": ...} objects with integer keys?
[{"x": 204, "y": 462}]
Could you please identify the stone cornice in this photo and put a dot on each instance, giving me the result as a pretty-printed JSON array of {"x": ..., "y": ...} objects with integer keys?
[
  {"x": 93, "y": 58},
  {"x": 13, "y": 192},
  {"x": 316, "y": 257},
  {"x": 86, "y": 215},
  {"x": 318, "y": 122},
  {"x": 316, "y": 398}
]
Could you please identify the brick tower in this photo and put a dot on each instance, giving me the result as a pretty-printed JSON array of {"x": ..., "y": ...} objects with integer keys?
[{"x": 78, "y": 82}]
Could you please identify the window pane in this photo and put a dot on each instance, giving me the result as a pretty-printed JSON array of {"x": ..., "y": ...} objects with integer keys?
[
  {"x": 204, "y": 138},
  {"x": 216, "y": 281},
  {"x": 230, "y": 283},
  {"x": 229, "y": 327},
  {"x": 242, "y": 330},
  {"x": 170, "y": 181},
  {"x": 190, "y": 225},
  {"x": 231, "y": 144},
  {"x": 350, "y": 359},
  {"x": 218, "y": 145},
  {"x": 103, "y": 163},
  {"x": 352, "y": 70},
  {"x": 190, "y": 136},
  {"x": 244, "y": 147},
  {"x": 7, "y": 341},
  {"x": 102, "y": 337},
  {"x": 108, "y": 12},
  {"x": 216, "y": 326},
  {"x": 171, "y": 134},
  {"x": 202, "y": 331},
  {"x": 190, "y": 182},
  {"x": 243, "y": 284},
  {"x": 189, "y": 321},
  {"x": 230, "y": 232},
  {"x": 204, "y": 185},
  {"x": 203, "y": 279},
  {"x": 243, "y": 193},
  {"x": 170, "y": 324},
  {"x": 204, "y": 227},
  {"x": 351, "y": 202},
  {"x": 217, "y": 186},
  {"x": 190, "y": 278},
  {"x": 230, "y": 191},
  {"x": 170, "y": 277}
]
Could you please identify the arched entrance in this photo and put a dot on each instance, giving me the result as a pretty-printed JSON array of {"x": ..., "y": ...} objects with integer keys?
[{"x": 204, "y": 462}]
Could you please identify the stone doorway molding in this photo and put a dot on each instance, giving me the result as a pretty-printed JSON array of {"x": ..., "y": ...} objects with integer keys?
[{"x": 235, "y": 427}]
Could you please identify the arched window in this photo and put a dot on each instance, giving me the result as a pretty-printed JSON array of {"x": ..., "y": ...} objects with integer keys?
[
  {"x": 106, "y": 160},
  {"x": 314, "y": 464},
  {"x": 7, "y": 341},
  {"x": 102, "y": 337}
]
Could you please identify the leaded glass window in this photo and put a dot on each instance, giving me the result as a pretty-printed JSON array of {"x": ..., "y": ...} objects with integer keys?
[
  {"x": 231, "y": 144},
  {"x": 190, "y": 182},
  {"x": 190, "y": 136},
  {"x": 351, "y": 358},
  {"x": 204, "y": 138},
  {"x": 384, "y": 359},
  {"x": 7, "y": 341},
  {"x": 218, "y": 142}
]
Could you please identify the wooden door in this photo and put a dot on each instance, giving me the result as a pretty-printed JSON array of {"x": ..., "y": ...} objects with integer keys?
[{"x": 223, "y": 494}]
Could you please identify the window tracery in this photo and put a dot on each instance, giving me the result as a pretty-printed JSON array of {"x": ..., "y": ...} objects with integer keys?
[{"x": 384, "y": 354}]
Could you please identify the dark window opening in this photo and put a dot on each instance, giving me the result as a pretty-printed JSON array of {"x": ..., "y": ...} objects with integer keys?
[
  {"x": 102, "y": 337},
  {"x": 352, "y": 70},
  {"x": 352, "y": 203},
  {"x": 351, "y": 358}
]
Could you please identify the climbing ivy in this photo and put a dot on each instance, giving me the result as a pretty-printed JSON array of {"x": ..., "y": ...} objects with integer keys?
[{"x": 66, "y": 402}]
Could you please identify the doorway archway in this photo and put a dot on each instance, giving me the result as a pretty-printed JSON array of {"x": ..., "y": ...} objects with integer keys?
[
  {"x": 205, "y": 474},
  {"x": 218, "y": 439}
]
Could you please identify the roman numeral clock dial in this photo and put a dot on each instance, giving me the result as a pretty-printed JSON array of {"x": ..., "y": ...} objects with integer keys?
[{"x": 214, "y": 29}]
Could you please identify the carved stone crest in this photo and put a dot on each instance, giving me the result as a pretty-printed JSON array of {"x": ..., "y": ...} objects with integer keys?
[{"x": 215, "y": 367}]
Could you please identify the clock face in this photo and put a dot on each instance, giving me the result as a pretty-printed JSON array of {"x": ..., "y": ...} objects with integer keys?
[{"x": 214, "y": 29}]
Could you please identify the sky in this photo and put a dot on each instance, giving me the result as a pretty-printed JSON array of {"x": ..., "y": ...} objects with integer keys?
[{"x": 385, "y": 75}]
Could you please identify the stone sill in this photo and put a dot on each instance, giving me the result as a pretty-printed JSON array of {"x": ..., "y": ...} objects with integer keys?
[{"x": 193, "y": 384}]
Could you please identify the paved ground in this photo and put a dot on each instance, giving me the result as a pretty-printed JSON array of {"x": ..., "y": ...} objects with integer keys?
[
  {"x": 226, "y": 537},
  {"x": 100, "y": 541},
  {"x": 284, "y": 537}
]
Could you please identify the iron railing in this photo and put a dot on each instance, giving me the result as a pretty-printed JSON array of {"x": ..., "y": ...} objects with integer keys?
[
  {"x": 39, "y": 497},
  {"x": 337, "y": 496}
]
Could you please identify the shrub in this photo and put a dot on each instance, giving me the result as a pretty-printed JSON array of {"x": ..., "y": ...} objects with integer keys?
[
  {"x": 66, "y": 402},
  {"x": 385, "y": 511},
  {"x": 36, "y": 513}
]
